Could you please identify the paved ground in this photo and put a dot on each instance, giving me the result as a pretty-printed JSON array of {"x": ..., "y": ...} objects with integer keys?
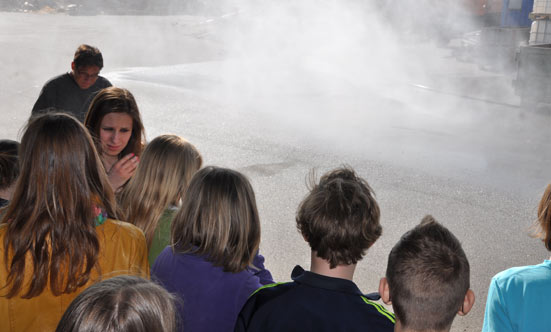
[{"x": 431, "y": 135}]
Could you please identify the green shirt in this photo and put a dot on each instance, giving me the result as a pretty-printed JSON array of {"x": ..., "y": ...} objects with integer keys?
[{"x": 162, "y": 234}]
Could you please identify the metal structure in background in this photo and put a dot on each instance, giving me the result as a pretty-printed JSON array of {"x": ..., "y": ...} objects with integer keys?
[
  {"x": 516, "y": 13},
  {"x": 532, "y": 83},
  {"x": 534, "y": 69},
  {"x": 540, "y": 33},
  {"x": 499, "y": 44},
  {"x": 519, "y": 45}
]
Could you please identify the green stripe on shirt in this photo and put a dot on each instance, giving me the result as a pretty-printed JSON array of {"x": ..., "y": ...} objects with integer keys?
[
  {"x": 268, "y": 286},
  {"x": 382, "y": 310}
]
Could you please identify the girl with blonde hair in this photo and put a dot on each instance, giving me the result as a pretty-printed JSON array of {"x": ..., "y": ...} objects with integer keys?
[
  {"x": 151, "y": 197},
  {"x": 56, "y": 238},
  {"x": 213, "y": 264}
]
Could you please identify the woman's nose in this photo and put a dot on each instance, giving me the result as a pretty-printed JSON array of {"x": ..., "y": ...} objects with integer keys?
[{"x": 115, "y": 137}]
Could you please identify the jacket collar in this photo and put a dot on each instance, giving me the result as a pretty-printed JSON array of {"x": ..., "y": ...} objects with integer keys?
[{"x": 334, "y": 284}]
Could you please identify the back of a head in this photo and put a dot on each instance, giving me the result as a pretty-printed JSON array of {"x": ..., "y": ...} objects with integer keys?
[
  {"x": 121, "y": 304},
  {"x": 9, "y": 165},
  {"x": 116, "y": 100},
  {"x": 340, "y": 217},
  {"x": 165, "y": 170},
  {"x": 61, "y": 182},
  {"x": 58, "y": 159},
  {"x": 428, "y": 277},
  {"x": 87, "y": 55},
  {"x": 218, "y": 219}
]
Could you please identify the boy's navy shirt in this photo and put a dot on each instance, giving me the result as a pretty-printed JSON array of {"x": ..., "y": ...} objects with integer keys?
[{"x": 313, "y": 302}]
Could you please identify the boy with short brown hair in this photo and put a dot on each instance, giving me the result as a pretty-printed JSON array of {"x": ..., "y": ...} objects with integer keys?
[
  {"x": 339, "y": 219},
  {"x": 427, "y": 279}
]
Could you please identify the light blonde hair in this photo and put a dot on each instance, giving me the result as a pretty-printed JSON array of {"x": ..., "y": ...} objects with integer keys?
[
  {"x": 218, "y": 219},
  {"x": 165, "y": 170}
]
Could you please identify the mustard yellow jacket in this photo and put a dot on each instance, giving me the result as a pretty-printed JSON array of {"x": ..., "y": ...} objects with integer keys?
[{"x": 123, "y": 250}]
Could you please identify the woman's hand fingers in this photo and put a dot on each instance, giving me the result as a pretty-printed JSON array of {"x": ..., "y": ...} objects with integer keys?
[
  {"x": 122, "y": 170},
  {"x": 126, "y": 164}
]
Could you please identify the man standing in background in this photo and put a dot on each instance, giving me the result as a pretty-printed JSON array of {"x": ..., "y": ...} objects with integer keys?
[{"x": 72, "y": 92}]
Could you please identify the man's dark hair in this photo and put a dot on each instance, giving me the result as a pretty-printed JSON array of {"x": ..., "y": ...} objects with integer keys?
[
  {"x": 87, "y": 55},
  {"x": 339, "y": 218},
  {"x": 9, "y": 163},
  {"x": 428, "y": 277}
]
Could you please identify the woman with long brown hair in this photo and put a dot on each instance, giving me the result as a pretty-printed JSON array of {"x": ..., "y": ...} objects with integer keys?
[
  {"x": 152, "y": 196},
  {"x": 114, "y": 122},
  {"x": 55, "y": 238}
]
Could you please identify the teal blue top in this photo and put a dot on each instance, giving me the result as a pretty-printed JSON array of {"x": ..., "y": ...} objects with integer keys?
[
  {"x": 161, "y": 239},
  {"x": 519, "y": 300}
]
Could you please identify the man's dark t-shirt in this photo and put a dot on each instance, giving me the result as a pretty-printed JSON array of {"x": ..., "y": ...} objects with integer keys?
[{"x": 63, "y": 93}]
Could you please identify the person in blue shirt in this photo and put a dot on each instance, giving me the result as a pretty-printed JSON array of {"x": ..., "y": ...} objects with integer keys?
[
  {"x": 518, "y": 298},
  {"x": 427, "y": 279}
]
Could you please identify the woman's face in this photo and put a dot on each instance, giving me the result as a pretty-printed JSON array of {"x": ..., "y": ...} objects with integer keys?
[{"x": 114, "y": 132}]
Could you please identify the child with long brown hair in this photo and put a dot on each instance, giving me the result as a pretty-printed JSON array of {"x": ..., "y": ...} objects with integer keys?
[
  {"x": 55, "y": 238},
  {"x": 213, "y": 264},
  {"x": 151, "y": 197}
]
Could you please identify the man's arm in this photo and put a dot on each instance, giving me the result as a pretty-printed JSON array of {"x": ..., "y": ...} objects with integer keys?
[{"x": 46, "y": 99}]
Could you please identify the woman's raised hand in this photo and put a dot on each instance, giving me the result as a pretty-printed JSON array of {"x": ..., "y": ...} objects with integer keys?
[{"x": 122, "y": 170}]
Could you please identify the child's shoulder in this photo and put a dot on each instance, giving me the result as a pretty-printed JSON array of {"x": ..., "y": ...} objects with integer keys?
[
  {"x": 273, "y": 290},
  {"x": 516, "y": 277}
]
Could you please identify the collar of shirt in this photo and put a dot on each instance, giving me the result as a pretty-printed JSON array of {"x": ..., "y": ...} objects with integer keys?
[{"x": 335, "y": 284}]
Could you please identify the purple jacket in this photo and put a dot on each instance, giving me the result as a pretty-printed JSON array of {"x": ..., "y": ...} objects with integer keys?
[{"x": 211, "y": 299}]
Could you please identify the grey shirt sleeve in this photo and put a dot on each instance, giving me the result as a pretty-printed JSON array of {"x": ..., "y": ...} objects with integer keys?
[{"x": 46, "y": 99}]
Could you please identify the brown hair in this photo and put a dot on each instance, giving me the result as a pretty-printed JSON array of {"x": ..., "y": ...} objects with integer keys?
[
  {"x": 218, "y": 219},
  {"x": 428, "y": 277},
  {"x": 9, "y": 165},
  {"x": 543, "y": 224},
  {"x": 121, "y": 304},
  {"x": 165, "y": 170},
  {"x": 339, "y": 218},
  {"x": 62, "y": 181},
  {"x": 87, "y": 55},
  {"x": 116, "y": 100}
]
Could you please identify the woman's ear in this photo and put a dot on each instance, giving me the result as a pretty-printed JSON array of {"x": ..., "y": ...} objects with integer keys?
[
  {"x": 384, "y": 291},
  {"x": 468, "y": 303}
]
